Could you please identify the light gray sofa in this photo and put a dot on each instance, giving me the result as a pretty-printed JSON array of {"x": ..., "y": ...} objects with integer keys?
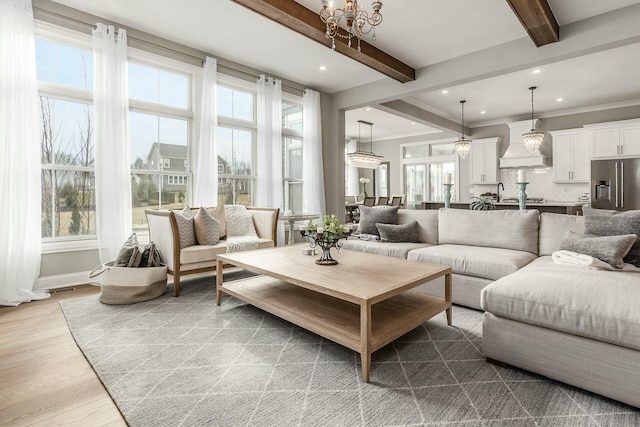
[{"x": 569, "y": 323}]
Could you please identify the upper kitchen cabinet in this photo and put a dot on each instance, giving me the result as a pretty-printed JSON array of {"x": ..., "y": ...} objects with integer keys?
[
  {"x": 484, "y": 161},
  {"x": 571, "y": 160},
  {"x": 615, "y": 139}
]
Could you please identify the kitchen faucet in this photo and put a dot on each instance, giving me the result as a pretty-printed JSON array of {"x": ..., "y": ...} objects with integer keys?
[{"x": 498, "y": 192}]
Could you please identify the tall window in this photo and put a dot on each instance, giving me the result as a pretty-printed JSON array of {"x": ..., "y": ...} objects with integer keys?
[
  {"x": 65, "y": 84},
  {"x": 159, "y": 131},
  {"x": 236, "y": 142},
  {"x": 292, "y": 153},
  {"x": 425, "y": 166}
]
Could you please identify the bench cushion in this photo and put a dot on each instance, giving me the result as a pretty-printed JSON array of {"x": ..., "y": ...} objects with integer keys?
[
  {"x": 487, "y": 263},
  {"x": 203, "y": 253},
  {"x": 596, "y": 304}
]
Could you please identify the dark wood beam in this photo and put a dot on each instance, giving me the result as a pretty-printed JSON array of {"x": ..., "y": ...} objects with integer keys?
[
  {"x": 537, "y": 18},
  {"x": 307, "y": 22}
]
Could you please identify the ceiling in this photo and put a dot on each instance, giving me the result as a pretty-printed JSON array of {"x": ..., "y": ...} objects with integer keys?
[{"x": 418, "y": 32}]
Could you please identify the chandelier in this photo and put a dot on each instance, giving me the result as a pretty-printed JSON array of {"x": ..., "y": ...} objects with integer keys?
[
  {"x": 356, "y": 19},
  {"x": 532, "y": 139},
  {"x": 364, "y": 159},
  {"x": 462, "y": 145}
]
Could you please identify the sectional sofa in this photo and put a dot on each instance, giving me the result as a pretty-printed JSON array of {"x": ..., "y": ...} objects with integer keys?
[{"x": 574, "y": 324}]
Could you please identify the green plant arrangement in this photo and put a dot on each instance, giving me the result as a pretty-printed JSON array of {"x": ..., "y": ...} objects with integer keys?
[
  {"x": 326, "y": 236},
  {"x": 481, "y": 204}
]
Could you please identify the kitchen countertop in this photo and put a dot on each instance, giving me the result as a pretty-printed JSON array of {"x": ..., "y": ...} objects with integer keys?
[{"x": 545, "y": 203}]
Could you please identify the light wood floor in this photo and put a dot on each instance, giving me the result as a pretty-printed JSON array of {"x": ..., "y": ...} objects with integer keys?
[{"x": 44, "y": 378}]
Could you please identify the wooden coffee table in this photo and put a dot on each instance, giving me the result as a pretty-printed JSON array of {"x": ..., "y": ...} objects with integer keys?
[{"x": 361, "y": 303}]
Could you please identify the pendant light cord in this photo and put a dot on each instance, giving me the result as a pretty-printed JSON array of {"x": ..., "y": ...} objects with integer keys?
[
  {"x": 532, "y": 88},
  {"x": 462, "y": 125}
]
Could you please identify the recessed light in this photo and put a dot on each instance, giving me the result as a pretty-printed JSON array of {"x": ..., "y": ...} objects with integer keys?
[
  {"x": 413, "y": 123},
  {"x": 559, "y": 99},
  {"x": 483, "y": 112},
  {"x": 536, "y": 71},
  {"x": 445, "y": 91},
  {"x": 368, "y": 109},
  {"x": 323, "y": 68}
]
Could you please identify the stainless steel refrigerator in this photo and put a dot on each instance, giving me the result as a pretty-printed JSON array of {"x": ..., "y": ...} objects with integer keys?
[{"x": 615, "y": 184}]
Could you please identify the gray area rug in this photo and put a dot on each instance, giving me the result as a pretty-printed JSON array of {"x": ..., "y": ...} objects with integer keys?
[{"x": 187, "y": 362}]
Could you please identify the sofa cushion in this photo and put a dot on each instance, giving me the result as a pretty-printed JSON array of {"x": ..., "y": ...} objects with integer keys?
[
  {"x": 399, "y": 233},
  {"x": 427, "y": 220},
  {"x": 595, "y": 304},
  {"x": 370, "y": 216},
  {"x": 206, "y": 227},
  {"x": 611, "y": 223},
  {"x": 553, "y": 227},
  {"x": 184, "y": 220},
  {"x": 202, "y": 253},
  {"x": 487, "y": 263},
  {"x": 610, "y": 249},
  {"x": 507, "y": 229},
  {"x": 397, "y": 250}
]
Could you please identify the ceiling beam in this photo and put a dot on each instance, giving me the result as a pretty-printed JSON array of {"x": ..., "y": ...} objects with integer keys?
[
  {"x": 295, "y": 16},
  {"x": 537, "y": 18}
]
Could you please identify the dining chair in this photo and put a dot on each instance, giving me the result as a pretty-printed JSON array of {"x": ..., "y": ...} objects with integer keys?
[
  {"x": 350, "y": 199},
  {"x": 382, "y": 200},
  {"x": 369, "y": 201},
  {"x": 396, "y": 200}
]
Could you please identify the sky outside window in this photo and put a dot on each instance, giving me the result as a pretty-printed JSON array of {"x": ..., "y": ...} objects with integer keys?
[
  {"x": 65, "y": 65},
  {"x": 158, "y": 86}
]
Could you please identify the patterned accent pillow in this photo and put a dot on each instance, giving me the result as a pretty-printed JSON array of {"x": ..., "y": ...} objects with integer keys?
[
  {"x": 407, "y": 233},
  {"x": 184, "y": 219},
  {"x": 220, "y": 216},
  {"x": 370, "y": 216},
  {"x": 610, "y": 249},
  {"x": 127, "y": 251},
  {"x": 604, "y": 222},
  {"x": 206, "y": 227},
  {"x": 239, "y": 221}
]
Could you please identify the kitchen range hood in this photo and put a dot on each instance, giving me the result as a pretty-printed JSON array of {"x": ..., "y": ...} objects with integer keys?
[{"x": 517, "y": 155}]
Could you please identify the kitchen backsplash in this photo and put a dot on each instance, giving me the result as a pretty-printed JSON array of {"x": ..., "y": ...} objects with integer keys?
[{"x": 540, "y": 185}]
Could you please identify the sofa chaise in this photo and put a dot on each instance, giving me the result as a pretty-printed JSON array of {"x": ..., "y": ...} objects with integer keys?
[{"x": 574, "y": 324}]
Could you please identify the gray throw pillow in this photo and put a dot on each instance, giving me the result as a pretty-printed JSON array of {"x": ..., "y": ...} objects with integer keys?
[
  {"x": 407, "y": 233},
  {"x": 370, "y": 216},
  {"x": 126, "y": 252},
  {"x": 610, "y": 249},
  {"x": 184, "y": 221},
  {"x": 604, "y": 222}
]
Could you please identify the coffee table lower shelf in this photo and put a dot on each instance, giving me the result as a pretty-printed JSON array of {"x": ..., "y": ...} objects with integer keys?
[{"x": 336, "y": 319}]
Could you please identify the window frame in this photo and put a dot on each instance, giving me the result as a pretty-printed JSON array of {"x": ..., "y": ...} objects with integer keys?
[
  {"x": 288, "y": 181},
  {"x": 57, "y": 91},
  {"x": 234, "y": 83}
]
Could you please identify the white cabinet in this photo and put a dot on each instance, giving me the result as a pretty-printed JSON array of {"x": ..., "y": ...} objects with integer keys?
[
  {"x": 615, "y": 139},
  {"x": 484, "y": 162},
  {"x": 571, "y": 160}
]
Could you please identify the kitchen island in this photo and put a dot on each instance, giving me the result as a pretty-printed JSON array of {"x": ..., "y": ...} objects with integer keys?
[{"x": 569, "y": 208}]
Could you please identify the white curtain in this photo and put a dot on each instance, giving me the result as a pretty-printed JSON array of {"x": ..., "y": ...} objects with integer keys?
[
  {"x": 205, "y": 176},
  {"x": 19, "y": 156},
  {"x": 269, "y": 146},
  {"x": 312, "y": 167},
  {"x": 113, "y": 165}
]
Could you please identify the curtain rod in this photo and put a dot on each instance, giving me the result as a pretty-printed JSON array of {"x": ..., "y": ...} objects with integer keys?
[{"x": 201, "y": 59}]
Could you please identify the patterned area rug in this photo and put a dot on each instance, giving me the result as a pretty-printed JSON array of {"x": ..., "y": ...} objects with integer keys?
[{"x": 187, "y": 362}]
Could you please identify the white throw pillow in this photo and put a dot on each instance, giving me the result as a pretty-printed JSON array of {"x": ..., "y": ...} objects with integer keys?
[{"x": 239, "y": 221}]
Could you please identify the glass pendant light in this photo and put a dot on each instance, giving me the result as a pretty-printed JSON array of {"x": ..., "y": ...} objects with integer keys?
[{"x": 462, "y": 145}]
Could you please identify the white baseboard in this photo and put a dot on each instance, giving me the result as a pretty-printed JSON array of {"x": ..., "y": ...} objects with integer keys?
[{"x": 63, "y": 280}]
